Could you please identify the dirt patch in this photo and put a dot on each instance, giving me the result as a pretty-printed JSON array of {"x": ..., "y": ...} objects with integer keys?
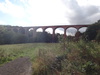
[{"x": 20, "y": 66}]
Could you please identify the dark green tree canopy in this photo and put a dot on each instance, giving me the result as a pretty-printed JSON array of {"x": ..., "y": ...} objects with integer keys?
[
  {"x": 12, "y": 36},
  {"x": 93, "y": 31}
]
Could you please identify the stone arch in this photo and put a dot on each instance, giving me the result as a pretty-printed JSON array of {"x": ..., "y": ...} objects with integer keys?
[
  {"x": 71, "y": 31},
  {"x": 49, "y": 30}
]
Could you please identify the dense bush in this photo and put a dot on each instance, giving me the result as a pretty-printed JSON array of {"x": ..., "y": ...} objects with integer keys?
[
  {"x": 93, "y": 32},
  {"x": 75, "y": 58}
]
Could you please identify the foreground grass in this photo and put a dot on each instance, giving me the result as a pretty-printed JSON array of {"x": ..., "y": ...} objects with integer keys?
[
  {"x": 11, "y": 52},
  {"x": 83, "y": 58}
]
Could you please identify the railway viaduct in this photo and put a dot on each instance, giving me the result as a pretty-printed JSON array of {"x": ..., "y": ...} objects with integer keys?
[{"x": 25, "y": 30}]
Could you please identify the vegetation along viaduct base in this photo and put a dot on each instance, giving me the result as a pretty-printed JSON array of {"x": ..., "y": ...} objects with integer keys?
[{"x": 25, "y": 30}]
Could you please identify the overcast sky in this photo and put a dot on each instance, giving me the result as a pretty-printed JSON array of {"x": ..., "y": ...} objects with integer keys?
[{"x": 49, "y": 12}]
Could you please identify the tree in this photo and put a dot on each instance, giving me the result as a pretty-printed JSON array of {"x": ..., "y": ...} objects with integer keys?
[
  {"x": 43, "y": 37},
  {"x": 98, "y": 36},
  {"x": 2, "y": 32},
  {"x": 11, "y": 35},
  {"x": 92, "y": 31}
]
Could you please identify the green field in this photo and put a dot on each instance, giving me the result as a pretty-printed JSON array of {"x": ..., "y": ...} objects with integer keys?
[
  {"x": 31, "y": 50},
  {"x": 82, "y": 57}
]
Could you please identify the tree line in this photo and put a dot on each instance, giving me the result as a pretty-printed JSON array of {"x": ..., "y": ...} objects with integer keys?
[
  {"x": 93, "y": 32},
  {"x": 8, "y": 36}
]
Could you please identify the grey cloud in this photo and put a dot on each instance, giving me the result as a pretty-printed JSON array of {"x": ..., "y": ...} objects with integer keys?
[
  {"x": 91, "y": 10},
  {"x": 81, "y": 14}
]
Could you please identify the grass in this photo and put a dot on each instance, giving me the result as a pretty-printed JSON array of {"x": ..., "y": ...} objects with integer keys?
[
  {"x": 11, "y": 52},
  {"x": 83, "y": 58}
]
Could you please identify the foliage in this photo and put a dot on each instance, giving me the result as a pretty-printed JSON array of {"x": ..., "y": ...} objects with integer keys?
[
  {"x": 13, "y": 36},
  {"x": 92, "y": 32},
  {"x": 84, "y": 57},
  {"x": 81, "y": 58},
  {"x": 43, "y": 37},
  {"x": 78, "y": 58},
  {"x": 98, "y": 36}
]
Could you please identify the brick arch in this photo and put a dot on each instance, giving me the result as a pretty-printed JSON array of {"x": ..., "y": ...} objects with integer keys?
[
  {"x": 48, "y": 28},
  {"x": 72, "y": 27},
  {"x": 69, "y": 28},
  {"x": 39, "y": 28},
  {"x": 81, "y": 28},
  {"x": 55, "y": 27},
  {"x": 59, "y": 27},
  {"x": 30, "y": 29}
]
